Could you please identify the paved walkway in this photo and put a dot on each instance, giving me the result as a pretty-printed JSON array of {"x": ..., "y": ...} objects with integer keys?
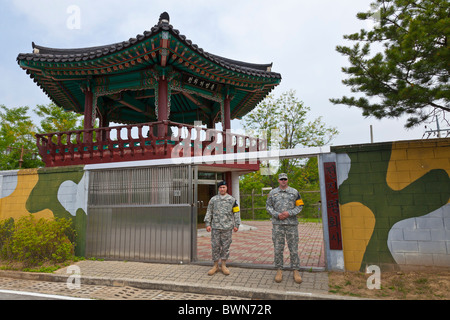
[
  {"x": 253, "y": 245},
  {"x": 60, "y": 291},
  {"x": 247, "y": 283},
  {"x": 251, "y": 265}
]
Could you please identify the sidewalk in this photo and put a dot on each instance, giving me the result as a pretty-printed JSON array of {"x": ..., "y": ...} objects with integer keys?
[
  {"x": 244, "y": 283},
  {"x": 251, "y": 265}
]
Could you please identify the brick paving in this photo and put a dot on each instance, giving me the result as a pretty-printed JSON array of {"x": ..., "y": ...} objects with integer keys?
[
  {"x": 252, "y": 275},
  {"x": 254, "y": 245},
  {"x": 242, "y": 282},
  {"x": 140, "y": 280},
  {"x": 103, "y": 292}
]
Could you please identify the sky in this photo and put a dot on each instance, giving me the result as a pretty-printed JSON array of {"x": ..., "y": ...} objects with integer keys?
[{"x": 299, "y": 37}]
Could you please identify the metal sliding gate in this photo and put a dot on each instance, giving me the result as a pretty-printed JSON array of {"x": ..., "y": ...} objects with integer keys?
[{"x": 142, "y": 214}]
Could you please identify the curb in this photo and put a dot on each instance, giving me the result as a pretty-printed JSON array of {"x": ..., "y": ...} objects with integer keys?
[{"x": 242, "y": 292}]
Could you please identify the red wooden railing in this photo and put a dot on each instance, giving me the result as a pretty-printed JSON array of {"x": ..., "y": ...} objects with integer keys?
[{"x": 144, "y": 141}]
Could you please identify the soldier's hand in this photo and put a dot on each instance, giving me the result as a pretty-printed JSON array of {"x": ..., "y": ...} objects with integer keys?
[
  {"x": 208, "y": 229},
  {"x": 283, "y": 215},
  {"x": 235, "y": 229}
]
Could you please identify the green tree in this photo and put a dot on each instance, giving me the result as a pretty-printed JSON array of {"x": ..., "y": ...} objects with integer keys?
[
  {"x": 410, "y": 75},
  {"x": 17, "y": 143},
  {"x": 56, "y": 119},
  {"x": 17, "y": 133},
  {"x": 288, "y": 115}
]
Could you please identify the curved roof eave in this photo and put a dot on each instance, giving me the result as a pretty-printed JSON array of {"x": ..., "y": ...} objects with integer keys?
[{"x": 46, "y": 54}]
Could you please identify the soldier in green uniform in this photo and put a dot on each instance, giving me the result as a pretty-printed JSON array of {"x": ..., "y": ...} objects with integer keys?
[
  {"x": 283, "y": 205},
  {"x": 222, "y": 218}
]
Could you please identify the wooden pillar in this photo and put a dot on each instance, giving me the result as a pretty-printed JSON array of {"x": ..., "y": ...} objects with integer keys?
[
  {"x": 227, "y": 126},
  {"x": 211, "y": 123},
  {"x": 104, "y": 123},
  {"x": 229, "y": 182},
  {"x": 227, "y": 114},
  {"x": 163, "y": 99},
  {"x": 88, "y": 120}
]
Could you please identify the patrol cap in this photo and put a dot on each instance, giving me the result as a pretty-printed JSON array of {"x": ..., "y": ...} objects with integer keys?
[
  {"x": 221, "y": 183},
  {"x": 282, "y": 176}
]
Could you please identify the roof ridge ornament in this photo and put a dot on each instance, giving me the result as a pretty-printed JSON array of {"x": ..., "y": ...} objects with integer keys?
[
  {"x": 164, "y": 18},
  {"x": 35, "y": 50}
]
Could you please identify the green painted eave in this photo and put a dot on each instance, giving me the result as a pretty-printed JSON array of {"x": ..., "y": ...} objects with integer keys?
[{"x": 133, "y": 66}]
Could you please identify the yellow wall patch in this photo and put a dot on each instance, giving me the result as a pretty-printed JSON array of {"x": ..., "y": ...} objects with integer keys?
[
  {"x": 411, "y": 160},
  {"x": 14, "y": 206},
  {"x": 358, "y": 223}
]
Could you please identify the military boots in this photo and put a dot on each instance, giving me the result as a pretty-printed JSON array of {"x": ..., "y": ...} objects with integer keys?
[
  {"x": 225, "y": 270},
  {"x": 214, "y": 269},
  {"x": 297, "y": 277},
  {"x": 279, "y": 276}
]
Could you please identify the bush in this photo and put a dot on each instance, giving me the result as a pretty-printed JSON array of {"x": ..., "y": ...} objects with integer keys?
[
  {"x": 6, "y": 232},
  {"x": 33, "y": 242}
]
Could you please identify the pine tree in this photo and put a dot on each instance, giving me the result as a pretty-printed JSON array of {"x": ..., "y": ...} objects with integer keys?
[{"x": 410, "y": 75}]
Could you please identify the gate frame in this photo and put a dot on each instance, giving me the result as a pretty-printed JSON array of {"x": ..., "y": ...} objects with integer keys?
[
  {"x": 183, "y": 254},
  {"x": 334, "y": 259}
]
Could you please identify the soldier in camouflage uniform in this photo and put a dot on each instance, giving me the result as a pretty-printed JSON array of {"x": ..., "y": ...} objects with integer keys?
[
  {"x": 222, "y": 218},
  {"x": 283, "y": 205}
]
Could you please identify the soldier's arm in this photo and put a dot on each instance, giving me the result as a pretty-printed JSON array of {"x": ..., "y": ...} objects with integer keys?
[
  {"x": 208, "y": 216},
  {"x": 237, "y": 215},
  {"x": 297, "y": 207},
  {"x": 269, "y": 207}
]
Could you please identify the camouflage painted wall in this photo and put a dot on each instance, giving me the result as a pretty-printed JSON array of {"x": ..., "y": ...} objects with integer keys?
[
  {"x": 394, "y": 201},
  {"x": 46, "y": 193}
]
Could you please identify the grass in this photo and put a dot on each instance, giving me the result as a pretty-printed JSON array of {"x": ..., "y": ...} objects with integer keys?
[
  {"x": 46, "y": 267},
  {"x": 413, "y": 285}
]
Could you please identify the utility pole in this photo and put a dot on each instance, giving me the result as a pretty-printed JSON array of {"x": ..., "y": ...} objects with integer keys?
[{"x": 371, "y": 134}]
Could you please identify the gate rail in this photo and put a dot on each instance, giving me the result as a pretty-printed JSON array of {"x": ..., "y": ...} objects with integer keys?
[{"x": 141, "y": 214}]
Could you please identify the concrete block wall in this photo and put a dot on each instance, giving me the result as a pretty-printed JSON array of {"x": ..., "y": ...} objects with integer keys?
[
  {"x": 46, "y": 193},
  {"x": 423, "y": 240},
  {"x": 394, "y": 200}
]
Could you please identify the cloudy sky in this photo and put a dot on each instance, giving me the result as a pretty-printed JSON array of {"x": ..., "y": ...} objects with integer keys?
[{"x": 298, "y": 36}]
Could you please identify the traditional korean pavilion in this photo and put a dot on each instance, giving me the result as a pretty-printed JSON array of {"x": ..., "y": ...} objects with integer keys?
[{"x": 156, "y": 87}]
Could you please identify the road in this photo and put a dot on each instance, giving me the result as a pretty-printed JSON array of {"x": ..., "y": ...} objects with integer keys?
[
  {"x": 19, "y": 289},
  {"x": 23, "y": 295}
]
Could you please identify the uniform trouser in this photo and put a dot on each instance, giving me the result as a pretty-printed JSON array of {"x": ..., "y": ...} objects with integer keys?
[
  {"x": 280, "y": 233},
  {"x": 220, "y": 243}
]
